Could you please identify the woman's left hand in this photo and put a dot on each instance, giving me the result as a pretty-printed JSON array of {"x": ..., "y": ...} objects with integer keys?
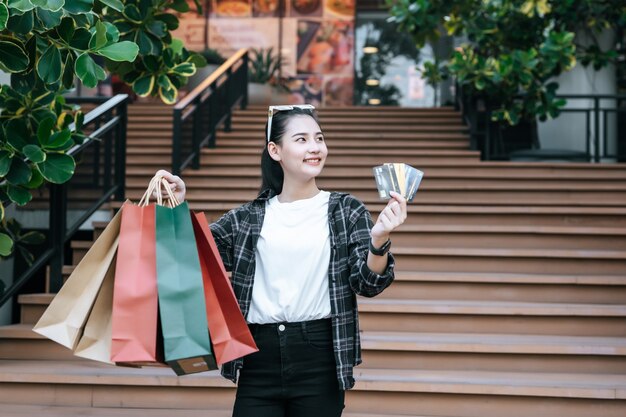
[{"x": 389, "y": 219}]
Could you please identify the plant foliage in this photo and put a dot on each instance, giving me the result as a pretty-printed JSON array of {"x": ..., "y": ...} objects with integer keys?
[
  {"x": 514, "y": 48},
  {"x": 44, "y": 46}
]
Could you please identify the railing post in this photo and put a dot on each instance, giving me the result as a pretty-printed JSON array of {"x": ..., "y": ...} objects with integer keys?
[
  {"x": 596, "y": 129},
  {"x": 244, "y": 101},
  {"x": 58, "y": 224},
  {"x": 195, "y": 139},
  {"x": 228, "y": 102},
  {"x": 176, "y": 142},
  {"x": 120, "y": 150}
]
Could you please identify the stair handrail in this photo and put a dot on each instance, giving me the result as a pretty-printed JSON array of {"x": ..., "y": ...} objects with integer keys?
[
  {"x": 109, "y": 118},
  {"x": 208, "y": 106}
]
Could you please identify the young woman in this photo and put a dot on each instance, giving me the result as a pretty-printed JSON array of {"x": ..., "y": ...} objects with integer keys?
[{"x": 299, "y": 256}]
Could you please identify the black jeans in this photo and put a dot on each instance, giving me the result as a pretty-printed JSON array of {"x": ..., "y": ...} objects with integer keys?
[{"x": 292, "y": 375}]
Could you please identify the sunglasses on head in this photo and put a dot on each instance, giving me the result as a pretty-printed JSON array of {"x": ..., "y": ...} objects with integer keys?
[{"x": 275, "y": 109}]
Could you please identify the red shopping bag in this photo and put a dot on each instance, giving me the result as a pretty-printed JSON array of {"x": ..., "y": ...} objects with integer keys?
[
  {"x": 135, "y": 299},
  {"x": 230, "y": 335}
]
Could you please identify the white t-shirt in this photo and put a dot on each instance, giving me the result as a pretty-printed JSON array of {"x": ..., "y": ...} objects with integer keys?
[{"x": 292, "y": 257}]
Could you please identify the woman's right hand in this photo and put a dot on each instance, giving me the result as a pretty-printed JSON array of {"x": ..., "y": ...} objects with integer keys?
[{"x": 176, "y": 184}]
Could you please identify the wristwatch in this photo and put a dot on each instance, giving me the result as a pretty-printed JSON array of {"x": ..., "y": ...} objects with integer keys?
[{"x": 382, "y": 250}]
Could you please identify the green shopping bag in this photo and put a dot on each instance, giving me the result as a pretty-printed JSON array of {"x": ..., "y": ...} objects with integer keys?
[{"x": 182, "y": 309}]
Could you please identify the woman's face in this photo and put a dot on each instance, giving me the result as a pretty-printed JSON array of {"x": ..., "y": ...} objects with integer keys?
[{"x": 302, "y": 151}]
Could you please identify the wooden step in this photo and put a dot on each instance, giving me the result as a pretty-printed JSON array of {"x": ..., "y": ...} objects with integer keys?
[
  {"x": 327, "y": 182},
  {"x": 504, "y": 260},
  {"x": 481, "y": 316},
  {"x": 412, "y": 350},
  {"x": 388, "y": 391},
  {"x": 493, "y": 352},
  {"x": 502, "y": 287},
  {"x": 479, "y": 214},
  {"x": 449, "y": 195},
  {"x": 333, "y": 138},
  {"x": 18, "y": 410}
]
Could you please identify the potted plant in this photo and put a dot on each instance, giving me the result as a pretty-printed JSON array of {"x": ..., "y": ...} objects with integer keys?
[
  {"x": 264, "y": 85},
  {"x": 513, "y": 51}
]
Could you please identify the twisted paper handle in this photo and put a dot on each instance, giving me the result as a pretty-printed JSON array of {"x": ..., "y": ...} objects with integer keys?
[{"x": 156, "y": 186}]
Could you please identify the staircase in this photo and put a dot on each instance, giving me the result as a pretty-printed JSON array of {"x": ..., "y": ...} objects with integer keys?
[{"x": 510, "y": 291}]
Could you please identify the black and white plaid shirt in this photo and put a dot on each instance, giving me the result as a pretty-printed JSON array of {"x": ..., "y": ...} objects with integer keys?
[{"x": 236, "y": 234}]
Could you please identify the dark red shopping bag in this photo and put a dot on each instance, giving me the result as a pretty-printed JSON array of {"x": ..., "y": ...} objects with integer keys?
[{"x": 230, "y": 335}]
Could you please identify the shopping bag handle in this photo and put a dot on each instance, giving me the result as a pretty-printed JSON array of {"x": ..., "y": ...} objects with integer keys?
[
  {"x": 156, "y": 186},
  {"x": 172, "y": 201}
]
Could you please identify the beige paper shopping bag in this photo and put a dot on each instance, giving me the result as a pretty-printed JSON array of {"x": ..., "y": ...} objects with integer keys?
[
  {"x": 95, "y": 342},
  {"x": 65, "y": 317}
]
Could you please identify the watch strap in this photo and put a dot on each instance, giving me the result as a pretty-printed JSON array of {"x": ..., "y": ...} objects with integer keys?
[{"x": 382, "y": 250}]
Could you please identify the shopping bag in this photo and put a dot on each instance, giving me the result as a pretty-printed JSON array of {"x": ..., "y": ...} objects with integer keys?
[
  {"x": 95, "y": 342},
  {"x": 182, "y": 310},
  {"x": 230, "y": 335},
  {"x": 66, "y": 315},
  {"x": 135, "y": 299}
]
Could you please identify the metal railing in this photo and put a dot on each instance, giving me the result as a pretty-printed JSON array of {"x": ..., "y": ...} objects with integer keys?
[
  {"x": 99, "y": 177},
  {"x": 205, "y": 108},
  {"x": 602, "y": 123}
]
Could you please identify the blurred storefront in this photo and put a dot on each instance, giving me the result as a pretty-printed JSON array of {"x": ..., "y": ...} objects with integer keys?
[{"x": 334, "y": 52}]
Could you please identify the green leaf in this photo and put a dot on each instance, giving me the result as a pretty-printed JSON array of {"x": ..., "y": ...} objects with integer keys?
[
  {"x": 58, "y": 140},
  {"x": 168, "y": 95},
  {"x": 6, "y": 245},
  {"x": 185, "y": 69},
  {"x": 21, "y": 5},
  {"x": 45, "y": 129},
  {"x": 57, "y": 168},
  {"x": 49, "y": 66},
  {"x": 20, "y": 172},
  {"x": 35, "y": 181},
  {"x": 145, "y": 43},
  {"x": 5, "y": 163},
  {"x": 151, "y": 63},
  {"x": 68, "y": 71},
  {"x": 157, "y": 28},
  {"x": 88, "y": 72},
  {"x": 34, "y": 153},
  {"x": 32, "y": 238},
  {"x": 143, "y": 85},
  {"x": 180, "y": 6},
  {"x": 80, "y": 39},
  {"x": 4, "y": 16},
  {"x": 48, "y": 19},
  {"x": 113, "y": 34},
  {"x": 17, "y": 133},
  {"x": 114, "y": 4},
  {"x": 121, "y": 51},
  {"x": 52, "y": 5},
  {"x": 19, "y": 195},
  {"x": 165, "y": 82},
  {"x": 169, "y": 19},
  {"x": 132, "y": 13},
  {"x": 99, "y": 37},
  {"x": 29, "y": 258},
  {"x": 65, "y": 30},
  {"x": 12, "y": 57},
  {"x": 177, "y": 46},
  {"x": 78, "y": 6},
  {"x": 23, "y": 23}
]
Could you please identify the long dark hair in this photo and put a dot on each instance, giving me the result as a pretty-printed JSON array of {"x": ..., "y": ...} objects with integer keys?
[{"x": 271, "y": 171}]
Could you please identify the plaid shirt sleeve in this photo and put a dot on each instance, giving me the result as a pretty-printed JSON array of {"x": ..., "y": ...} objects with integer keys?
[
  {"x": 224, "y": 230},
  {"x": 364, "y": 281}
]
